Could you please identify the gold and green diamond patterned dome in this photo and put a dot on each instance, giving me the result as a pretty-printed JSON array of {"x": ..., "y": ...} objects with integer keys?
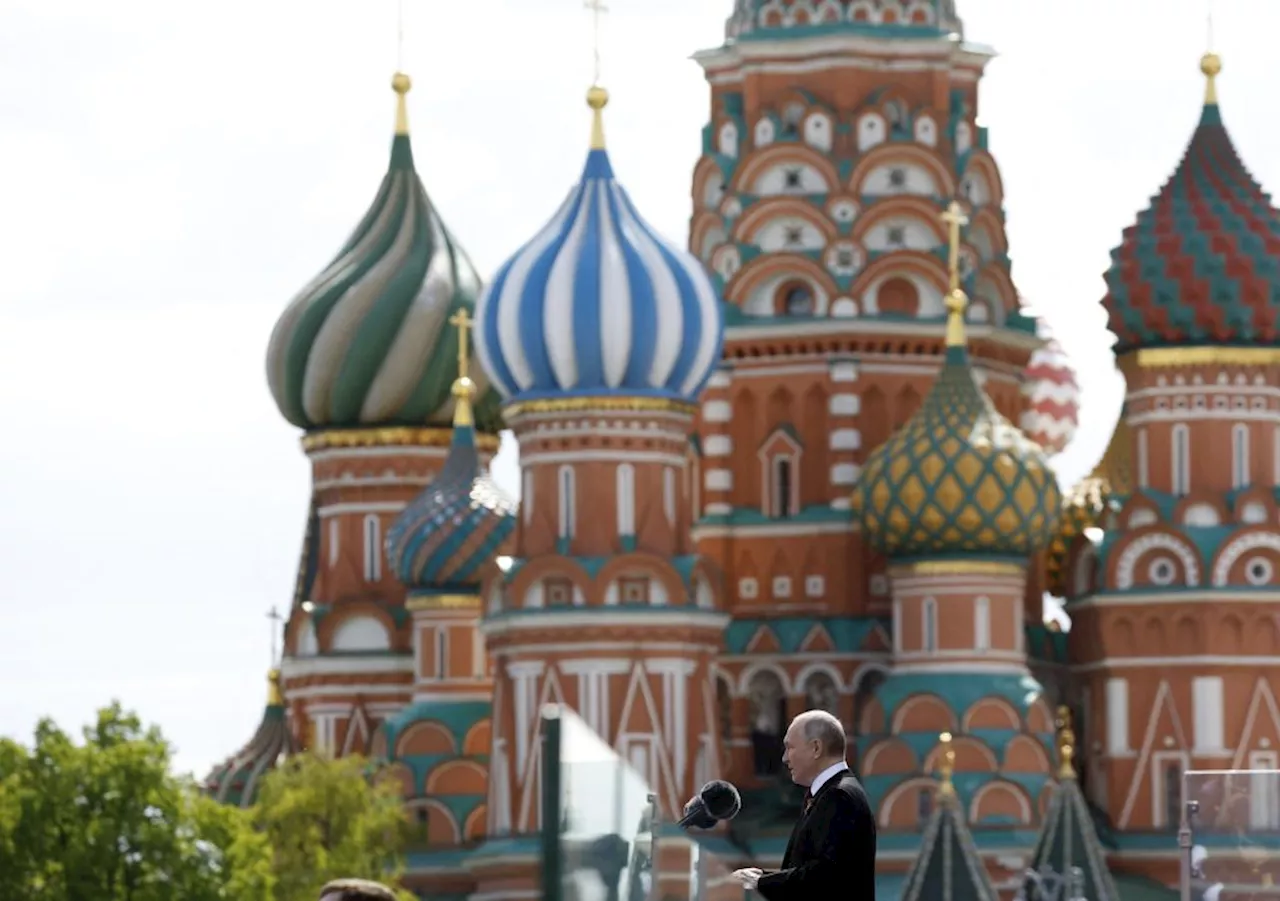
[{"x": 957, "y": 478}]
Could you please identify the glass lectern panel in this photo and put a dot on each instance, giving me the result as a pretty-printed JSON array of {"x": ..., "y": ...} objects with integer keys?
[
  {"x": 1230, "y": 832},
  {"x": 602, "y": 838}
]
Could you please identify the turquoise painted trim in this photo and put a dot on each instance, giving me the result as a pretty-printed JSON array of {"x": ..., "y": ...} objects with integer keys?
[
  {"x": 916, "y": 32},
  {"x": 457, "y": 716},
  {"x": 848, "y": 634},
  {"x": 752, "y": 516},
  {"x": 959, "y": 694}
]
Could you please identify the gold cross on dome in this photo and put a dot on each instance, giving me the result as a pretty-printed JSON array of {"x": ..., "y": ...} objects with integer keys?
[
  {"x": 955, "y": 219},
  {"x": 463, "y": 321},
  {"x": 276, "y": 619}
]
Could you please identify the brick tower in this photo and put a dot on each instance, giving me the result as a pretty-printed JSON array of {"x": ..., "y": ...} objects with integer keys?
[
  {"x": 1171, "y": 562},
  {"x": 600, "y": 334}
]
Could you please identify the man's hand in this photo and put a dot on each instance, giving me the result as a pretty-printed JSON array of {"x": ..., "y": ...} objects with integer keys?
[{"x": 748, "y": 877}]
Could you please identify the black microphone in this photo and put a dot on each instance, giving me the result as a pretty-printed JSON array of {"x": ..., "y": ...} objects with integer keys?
[{"x": 715, "y": 801}]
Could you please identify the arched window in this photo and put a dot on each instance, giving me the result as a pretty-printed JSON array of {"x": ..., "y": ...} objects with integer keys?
[
  {"x": 929, "y": 625},
  {"x": 783, "y": 487},
  {"x": 568, "y": 502},
  {"x": 335, "y": 536},
  {"x": 372, "y": 548},
  {"x": 897, "y": 296},
  {"x": 669, "y": 494},
  {"x": 1181, "y": 460},
  {"x": 626, "y": 485},
  {"x": 797, "y": 300},
  {"x": 526, "y": 496},
  {"x": 1240, "y": 475},
  {"x": 768, "y": 720}
]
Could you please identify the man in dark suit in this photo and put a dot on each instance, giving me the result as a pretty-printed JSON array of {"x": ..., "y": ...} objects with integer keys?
[{"x": 832, "y": 851}]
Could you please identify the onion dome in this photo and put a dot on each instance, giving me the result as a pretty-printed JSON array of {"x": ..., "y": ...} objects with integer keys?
[
  {"x": 1052, "y": 397},
  {"x": 957, "y": 478},
  {"x": 444, "y": 537},
  {"x": 1085, "y": 505},
  {"x": 948, "y": 867},
  {"x": 1068, "y": 854},
  {"x": 236, "y": 781},
  {"x": 1202, "y": 263},
  {"x": 366, "y": 342},
  {"x": 598, "y": 303}
]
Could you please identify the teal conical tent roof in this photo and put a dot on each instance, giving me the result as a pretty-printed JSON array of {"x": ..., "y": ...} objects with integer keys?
[
  {"x": 948, "y": 867},
  {"x": 1068, "y": 854}
]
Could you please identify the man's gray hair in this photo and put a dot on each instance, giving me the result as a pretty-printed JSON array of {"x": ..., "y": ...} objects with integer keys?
[
  {"x": 356, "y": 890},
  {"x": 821, "y": 726}
]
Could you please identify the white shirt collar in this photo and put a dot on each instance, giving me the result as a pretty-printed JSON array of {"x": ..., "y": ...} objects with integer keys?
[{"x": 821, "y": 779}]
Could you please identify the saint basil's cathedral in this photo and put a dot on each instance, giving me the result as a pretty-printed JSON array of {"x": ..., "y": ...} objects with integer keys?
[{"x": 805, "y": 462}]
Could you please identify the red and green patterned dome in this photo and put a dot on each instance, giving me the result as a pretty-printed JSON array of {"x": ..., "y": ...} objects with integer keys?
[{"x": 1202, "y": 263}]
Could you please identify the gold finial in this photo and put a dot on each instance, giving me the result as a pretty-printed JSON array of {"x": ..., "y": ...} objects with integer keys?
[
  {"x": 275, "y": 697},
  {"x": 463, "y": 389},
  {"x": 1066, "y": 744},
  {"x": 947, "y": 766},
  {"x": 401, "y": 83},
  {"x": 955, "y": 218},
  {"x": 597, "y": 99},
  {"x": 1210, "y": 65}
]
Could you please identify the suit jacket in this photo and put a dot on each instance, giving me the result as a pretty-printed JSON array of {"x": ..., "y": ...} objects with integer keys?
[{"x": 832, "y": 851}]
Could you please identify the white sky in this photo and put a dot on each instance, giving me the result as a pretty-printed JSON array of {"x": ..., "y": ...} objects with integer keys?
[{"x": 171, "y": 173}]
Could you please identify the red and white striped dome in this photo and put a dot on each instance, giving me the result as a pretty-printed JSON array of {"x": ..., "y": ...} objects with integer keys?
[{"x": 1052, "y": 395}]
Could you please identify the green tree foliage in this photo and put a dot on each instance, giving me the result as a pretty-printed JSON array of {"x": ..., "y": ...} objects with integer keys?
[
  {"x": 105, "y": 820},
  {"x": 329, "y": 819}
]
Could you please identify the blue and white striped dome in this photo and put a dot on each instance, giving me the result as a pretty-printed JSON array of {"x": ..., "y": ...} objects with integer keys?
[{"x": 598, "y": 303}]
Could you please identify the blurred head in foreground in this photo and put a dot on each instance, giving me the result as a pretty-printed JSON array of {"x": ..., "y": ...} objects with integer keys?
[{"x": 356, "y": 890}]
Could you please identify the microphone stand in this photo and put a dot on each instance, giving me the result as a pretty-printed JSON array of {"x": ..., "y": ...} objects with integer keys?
[{"x": 655, "y": 826}]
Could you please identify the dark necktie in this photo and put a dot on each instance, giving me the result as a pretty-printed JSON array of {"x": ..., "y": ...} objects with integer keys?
[{"x": 808, "y": 801}]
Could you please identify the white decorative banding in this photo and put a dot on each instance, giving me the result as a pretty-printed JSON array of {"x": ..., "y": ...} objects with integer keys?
[
  {"x": 845, "y": 404},
  {"x": 1236, "y": 549},
  {"x": 1156, "y": 541},
  {"x": 717, "y": 411},
  {"x": 845, "y": 439},
  {"x": 845, "y": 474}
]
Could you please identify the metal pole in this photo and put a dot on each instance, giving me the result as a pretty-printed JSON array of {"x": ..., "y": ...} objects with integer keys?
[
  {"x": 552, "y": 865},
  {"x": 654, "y": 826},
  {"x": 1189, "y": 809}
]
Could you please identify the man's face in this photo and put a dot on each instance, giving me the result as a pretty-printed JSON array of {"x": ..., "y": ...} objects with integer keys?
[{"x": 800, "y": 755}]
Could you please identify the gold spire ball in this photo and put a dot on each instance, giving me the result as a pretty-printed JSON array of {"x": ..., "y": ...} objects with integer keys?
[
  {"x": 463, "y": 388},
  {"x": 597, "y": 99},
  {"x": 275, "y": 697},
  {"x": 1210, "y": 65},
  {"x": 1066, "y": 744},
  {"x": 946, "y": 766},
  {"x": 401, "y": 84}
]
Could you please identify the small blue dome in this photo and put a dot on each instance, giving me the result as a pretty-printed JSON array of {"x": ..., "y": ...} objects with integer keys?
[
  {"x": 444, "y": 537},
  {"x": 598, "y": 303}
]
